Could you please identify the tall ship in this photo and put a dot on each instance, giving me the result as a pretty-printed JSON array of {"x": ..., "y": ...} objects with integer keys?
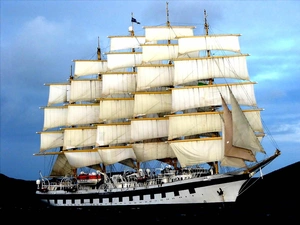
[{"x": 165, "y": 118}]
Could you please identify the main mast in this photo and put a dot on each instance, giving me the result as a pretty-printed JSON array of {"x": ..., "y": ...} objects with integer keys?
[
  {"x": 168, "y": 24},
  {"x": 210, "y": 82}
]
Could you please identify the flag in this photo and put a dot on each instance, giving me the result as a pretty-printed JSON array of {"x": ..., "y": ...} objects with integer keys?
[{"x": 133, "y": 20}]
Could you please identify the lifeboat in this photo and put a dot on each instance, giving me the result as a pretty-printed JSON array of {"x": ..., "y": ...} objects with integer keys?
[{"x": 89, "y": 178}]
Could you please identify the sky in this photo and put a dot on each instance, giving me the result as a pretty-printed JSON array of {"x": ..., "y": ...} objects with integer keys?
[{"x": 39, "y": 40}]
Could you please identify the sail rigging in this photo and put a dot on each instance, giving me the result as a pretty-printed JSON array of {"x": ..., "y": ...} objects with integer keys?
[
  {"x": 169, "y": 117},
  {"x": 156, "y": 97}
]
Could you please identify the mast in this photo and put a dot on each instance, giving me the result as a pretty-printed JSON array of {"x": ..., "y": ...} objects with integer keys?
[
  {"x": 131, "y": 29},
  {"x": 168, "y": 24},
  {"x": 98, "y": 50},
  {"x": 206, "y": 28},
  {"x": 214, "y": 165},
  {"x": 99, "y": 55},
  {"x": 167, "y": 10},
  {"x": 71, "y": 75}
]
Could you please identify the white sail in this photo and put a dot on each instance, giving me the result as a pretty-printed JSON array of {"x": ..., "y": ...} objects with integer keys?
[
  {"x": 244, "y": 136},
  {"x": 198, "y": 123},
  {"x": 111, "y": 134},
  {"x": 111, "y": 109},
  {"x": 62, "y": 167},
  {"x": 152, "y": 151},
  {"x": 209, "y": 95},
  {"x": 187, "y": 70},
  {"x": 51, "y": 139},
  {"x": 78, "y": 137},
  {"x": 114, "y": 83},
  {"x": 152, "y": 102},
  {"x": 118, "y": 60},
  {"x": 85, "y": 90},
  {"x": 125, "y": 42},
  {"x": 155, "y": 52},
  {"x": 89, "y": 67},
  {"x": 158, "y": 119},
  {"x": 194, "y": 123},
  {"x": 85, "y": 158},
  {"x": 197, "y": 151},
  {"x": 115, "y": 154},
  {"x": 58, "y": 93},
  {"x": 157, "y": 75},
  {"x": 230, "y": 149},
  {"x": 209, "y": 42},
  {"x": 154, "y": 33},
  {"x": 55, "y": 117},
  {"x": 148, "y": 128},
  {"x": 83, "y": 114}
]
